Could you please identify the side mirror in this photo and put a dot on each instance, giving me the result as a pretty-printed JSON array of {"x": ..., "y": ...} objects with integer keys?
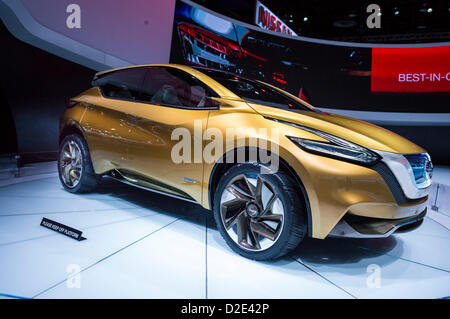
[{"x": 210, "y": 102}]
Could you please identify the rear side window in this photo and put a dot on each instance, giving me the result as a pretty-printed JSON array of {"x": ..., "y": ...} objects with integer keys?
[
  {"x": 173, "y": 87},
  {"x": 123, "y": 84}
]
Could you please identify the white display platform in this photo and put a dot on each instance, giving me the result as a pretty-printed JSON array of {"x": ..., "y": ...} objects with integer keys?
[{"x": 144, "y": 245}]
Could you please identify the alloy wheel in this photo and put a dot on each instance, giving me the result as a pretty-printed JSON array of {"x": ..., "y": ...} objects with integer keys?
[
  {"x": 70, "y": 164},
  {"x": 251, "y": 212}
]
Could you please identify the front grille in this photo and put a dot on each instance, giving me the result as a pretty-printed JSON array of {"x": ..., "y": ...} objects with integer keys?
[
  {"x": 421, "y": 167},
  {"x": 393, "y": 184}
]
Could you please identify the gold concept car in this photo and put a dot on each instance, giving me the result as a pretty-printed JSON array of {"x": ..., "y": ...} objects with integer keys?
[{"x": 272, "y": 168}]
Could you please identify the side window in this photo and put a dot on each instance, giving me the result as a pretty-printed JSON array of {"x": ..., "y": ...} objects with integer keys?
[
  {"x": 173, "y": 87},
  {"x": 123, "y": 84}
]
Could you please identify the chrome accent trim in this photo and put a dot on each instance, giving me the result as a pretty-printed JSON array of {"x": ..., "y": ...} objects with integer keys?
[
  {"x": 403, "y": 172},
  {"x": 118, "y": 177},
  {"x": 343, "y": 228}
]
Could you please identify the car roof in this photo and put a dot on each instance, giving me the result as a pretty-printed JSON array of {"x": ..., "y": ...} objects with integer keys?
[
  {"x": 217, "y": 87},
  {"x": 101, "y": 73},
  {"x": 173, "y": 65}
]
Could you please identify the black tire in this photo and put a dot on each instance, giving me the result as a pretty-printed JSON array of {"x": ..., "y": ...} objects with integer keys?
[
  {"x": 295, "y": 216},
  {"x": 88, "y": 180}
]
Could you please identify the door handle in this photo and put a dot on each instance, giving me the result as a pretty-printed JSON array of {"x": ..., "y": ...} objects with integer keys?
[{"x": 133, "y": 117}]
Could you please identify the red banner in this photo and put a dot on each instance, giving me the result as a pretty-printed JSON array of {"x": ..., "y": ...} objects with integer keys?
[{"x": 411, "y": 69}]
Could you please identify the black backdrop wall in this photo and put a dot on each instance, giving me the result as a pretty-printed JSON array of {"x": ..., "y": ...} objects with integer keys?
[
  {"x": 34, "y": 86},
  {"x": 7, "y": 127}
]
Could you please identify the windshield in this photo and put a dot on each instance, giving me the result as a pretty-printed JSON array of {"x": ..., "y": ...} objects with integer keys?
[{"x": 255, "y": 92}]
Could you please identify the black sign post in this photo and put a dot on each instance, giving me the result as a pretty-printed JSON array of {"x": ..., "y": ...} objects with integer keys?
[{"x": 63, "y": 229}]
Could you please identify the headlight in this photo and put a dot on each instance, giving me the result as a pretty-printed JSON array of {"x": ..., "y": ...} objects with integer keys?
[
  {"x": 336, "y": 147},
  {"x": 339, "y": 149}
]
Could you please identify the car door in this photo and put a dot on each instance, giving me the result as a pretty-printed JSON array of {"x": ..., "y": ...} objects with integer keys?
[
  {"x": 107, "y": 127},
  {"x": 174, "y": 105}
]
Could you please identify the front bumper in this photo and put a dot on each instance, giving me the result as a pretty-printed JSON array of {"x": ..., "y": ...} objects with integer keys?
[
  {"x": 400, "y": 167},
  {"x": 352, "y": 226},
  {"x": 337, "y": 189},
  {"x": 364, "y": 220}
]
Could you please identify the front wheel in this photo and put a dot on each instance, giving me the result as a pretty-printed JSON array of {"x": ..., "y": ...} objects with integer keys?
[
  {"x": 75, "y": 167},
  {"x": 260, "y": 216}
]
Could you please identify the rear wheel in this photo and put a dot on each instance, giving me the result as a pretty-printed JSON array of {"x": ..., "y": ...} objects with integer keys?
[
  {"x": 75, "y": 167},
  {"x": 260, "y": 216}
]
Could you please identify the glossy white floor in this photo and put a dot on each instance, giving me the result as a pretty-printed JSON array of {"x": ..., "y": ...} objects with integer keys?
[{"x": 143, "y": 245}]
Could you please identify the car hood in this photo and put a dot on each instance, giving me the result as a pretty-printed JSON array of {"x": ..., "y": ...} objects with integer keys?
[{"x": 356, "y": 131}]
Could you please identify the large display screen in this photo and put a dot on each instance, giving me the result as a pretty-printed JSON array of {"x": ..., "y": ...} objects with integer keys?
[
  {"x": 411, "y": 69},
  {"x": 329, "y": 74}
]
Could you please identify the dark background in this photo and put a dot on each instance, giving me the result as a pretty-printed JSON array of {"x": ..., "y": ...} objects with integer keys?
[
  {"x": 403, "y": 21},
  {"x": 327, "y": 74},
  {"x": 35, "y": 83},
  {"x": 34, "y": 87}
]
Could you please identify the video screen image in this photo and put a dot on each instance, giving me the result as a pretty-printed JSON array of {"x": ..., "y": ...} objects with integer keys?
[{"x": 325, "y": 74}]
